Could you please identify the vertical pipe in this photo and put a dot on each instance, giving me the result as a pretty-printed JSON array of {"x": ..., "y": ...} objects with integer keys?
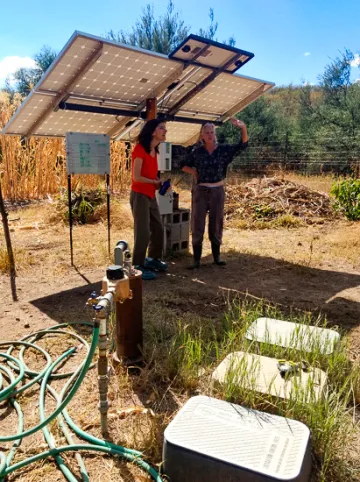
[
  {"x": 129, "y": 323},
  {"x": 70, "y": 220},
  {"x": 103, "y": 378},
  {"x": 108, "y": 209}
]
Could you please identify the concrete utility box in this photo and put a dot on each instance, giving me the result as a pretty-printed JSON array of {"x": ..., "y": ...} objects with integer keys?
[
  {"x": 210, "y": 440},
  {"x": 293, "y": 335},
  {"x": 261, "y": 374}
]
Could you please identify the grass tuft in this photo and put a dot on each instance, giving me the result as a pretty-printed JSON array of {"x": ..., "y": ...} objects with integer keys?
[{"x": 184, "y": 353}]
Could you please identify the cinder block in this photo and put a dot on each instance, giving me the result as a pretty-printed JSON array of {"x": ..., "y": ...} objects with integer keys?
[
  {"x": 185, "y": 231},
  {"x": 175, "y": 232},
  {"x": 175, "y": 246},
  {"x": 178, "y": 216}
]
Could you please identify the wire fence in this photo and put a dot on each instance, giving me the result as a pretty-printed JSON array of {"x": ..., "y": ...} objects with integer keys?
[{"x": 299, "y": 154}]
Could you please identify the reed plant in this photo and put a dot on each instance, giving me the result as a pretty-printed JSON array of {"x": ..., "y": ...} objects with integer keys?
[{"x": 36, "y": 167}]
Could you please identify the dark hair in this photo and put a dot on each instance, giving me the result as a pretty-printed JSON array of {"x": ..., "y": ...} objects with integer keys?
[{"x": 146, "y": 134}]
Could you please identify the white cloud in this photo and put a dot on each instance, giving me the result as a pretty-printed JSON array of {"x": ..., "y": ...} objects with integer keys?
[
  {"x": 10, "y": 64},
  {"x": 356, "y": 61},
  {"x": 306, "y": 54},
  {"x": 357, "y": 81}
]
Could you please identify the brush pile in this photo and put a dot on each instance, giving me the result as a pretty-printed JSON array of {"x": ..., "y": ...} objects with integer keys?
[{"x": 267, "y": 199}]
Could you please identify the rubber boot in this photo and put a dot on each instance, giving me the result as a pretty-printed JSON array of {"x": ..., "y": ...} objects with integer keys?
[
  {"x": 215, "y": 248},
  {"x": 197, "y": 250}
]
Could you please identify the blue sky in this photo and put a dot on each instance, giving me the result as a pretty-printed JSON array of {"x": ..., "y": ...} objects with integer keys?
[{"x": 292, "y": 40}]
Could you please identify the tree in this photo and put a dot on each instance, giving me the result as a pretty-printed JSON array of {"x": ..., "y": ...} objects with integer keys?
[
  {"x": 27, "y": 78},
  {"x": 332, "y": 112},
  {"x": 210, "y": 32},
  {"x": 160, "y": 35}
]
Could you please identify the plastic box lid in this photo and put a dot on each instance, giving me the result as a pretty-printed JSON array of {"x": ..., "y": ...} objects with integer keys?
[
  {"x": 293, "y": 335},
  {"x": 259, "y": 442}
]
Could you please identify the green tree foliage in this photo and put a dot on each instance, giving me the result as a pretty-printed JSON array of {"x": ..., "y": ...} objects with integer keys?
[
  {"x": 210, "y": 32},
  {"x": 160, "y": 34},
  {"x": 27, "y": 78},
  {"x": 330, "y": 113},
  {"x": 347, "y": 193},
  {"x": 309, "y": 128}
]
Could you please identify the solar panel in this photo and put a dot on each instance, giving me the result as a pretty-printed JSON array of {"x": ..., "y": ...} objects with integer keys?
[
  {"x": 199, "y": 51},
  {"x": 97, "y": 86}
]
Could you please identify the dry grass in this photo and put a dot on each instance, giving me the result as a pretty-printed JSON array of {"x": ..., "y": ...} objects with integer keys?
[
  {"x": 40, "y": 238},
  {"x": 171, "y": 372},
  {"x": 45, "y": 241},
  {"x": 320, "y": 183},
  {"x": 175, "y": 350},
  {"x": 333, "y": 245},
  {"x": 36, "y": 167},
  {"x": 22, "y": 259}
]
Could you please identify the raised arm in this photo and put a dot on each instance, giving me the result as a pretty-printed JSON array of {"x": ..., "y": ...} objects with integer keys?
[
  {"x": 240, "y": 125},
  {"x": 232, "y": 150}
]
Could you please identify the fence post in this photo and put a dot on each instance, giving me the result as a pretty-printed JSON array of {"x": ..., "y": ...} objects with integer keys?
[
  {"x": 10, "y": 252},
  {"x": 286, "y": 149}
]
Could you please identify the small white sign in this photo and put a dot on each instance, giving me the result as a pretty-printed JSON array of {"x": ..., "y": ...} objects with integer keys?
[{"x": 87, "y": 153}]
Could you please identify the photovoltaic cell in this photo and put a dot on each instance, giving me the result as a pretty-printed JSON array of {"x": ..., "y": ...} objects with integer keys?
[{"x": 96, "y": 72}]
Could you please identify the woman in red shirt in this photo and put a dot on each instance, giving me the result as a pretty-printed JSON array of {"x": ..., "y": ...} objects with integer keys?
[{"x": 148, "y": 228}]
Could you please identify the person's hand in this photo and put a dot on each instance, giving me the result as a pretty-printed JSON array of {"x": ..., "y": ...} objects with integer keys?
[
  {"x": 157, "y": 183},
  {"x": 237, "y": 123}
]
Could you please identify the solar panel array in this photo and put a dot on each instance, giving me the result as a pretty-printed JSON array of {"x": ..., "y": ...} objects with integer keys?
[{"x": 92, "y": 71}]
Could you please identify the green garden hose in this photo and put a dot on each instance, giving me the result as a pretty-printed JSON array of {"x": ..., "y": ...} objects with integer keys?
[{"x": 16, "y": 377}]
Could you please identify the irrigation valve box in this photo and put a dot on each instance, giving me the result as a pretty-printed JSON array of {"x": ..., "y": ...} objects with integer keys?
[
  {"x": 118, "y": 282},
  {"x": 210, "y": 440}
]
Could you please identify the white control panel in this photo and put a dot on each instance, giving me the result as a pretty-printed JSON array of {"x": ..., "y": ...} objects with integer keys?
[{"x": 164, "y": 157}]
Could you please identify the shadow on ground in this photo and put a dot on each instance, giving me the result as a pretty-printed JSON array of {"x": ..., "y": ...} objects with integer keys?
[
  {"x": 68, "y": 305},
  {"x": 204, "y": 291}
]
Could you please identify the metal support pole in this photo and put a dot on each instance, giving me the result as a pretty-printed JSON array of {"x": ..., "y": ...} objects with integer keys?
[
  {"x": 70, "y": 220},
  {"x": 165, "y": 240},
  {"x": 4, "y": 216},
  {"x": 108, "y": 209},
  {"x": 151, "y": 108}
]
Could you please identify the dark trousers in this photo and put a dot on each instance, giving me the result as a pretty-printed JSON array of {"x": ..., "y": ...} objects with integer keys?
[
  {"x": 207, "y": 200},
  {"x": 148, "y": 228}
]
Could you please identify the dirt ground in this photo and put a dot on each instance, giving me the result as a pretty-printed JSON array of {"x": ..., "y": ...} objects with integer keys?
[{"x": 314, "y": 269}]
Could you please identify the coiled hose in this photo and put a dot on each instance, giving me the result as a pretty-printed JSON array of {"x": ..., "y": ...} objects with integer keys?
[{"x": 13, "y": 375}]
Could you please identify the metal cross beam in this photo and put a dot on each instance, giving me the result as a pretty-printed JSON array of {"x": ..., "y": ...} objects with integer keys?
[{"x": 95, "y": 109}]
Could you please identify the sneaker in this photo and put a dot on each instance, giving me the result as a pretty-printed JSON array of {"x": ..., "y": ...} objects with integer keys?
[
  {"x": 157, "y": 264},
  {"x": 146, "y": 273}
]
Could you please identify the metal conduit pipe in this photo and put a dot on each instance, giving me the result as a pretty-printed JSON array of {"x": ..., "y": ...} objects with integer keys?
[{"x": 103, "y": 310}]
